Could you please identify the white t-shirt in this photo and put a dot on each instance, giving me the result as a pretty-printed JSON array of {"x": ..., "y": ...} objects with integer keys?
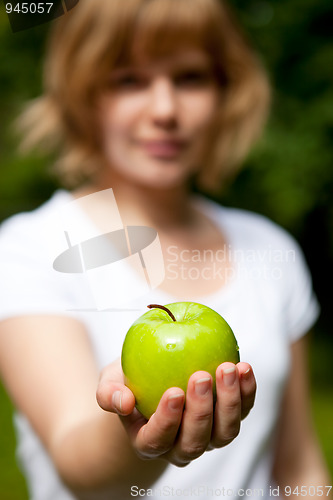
[{"x": 269, "y": 304}]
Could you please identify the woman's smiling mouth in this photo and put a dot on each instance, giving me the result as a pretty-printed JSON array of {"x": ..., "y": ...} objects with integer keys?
[{"x": 163, "y": 148}]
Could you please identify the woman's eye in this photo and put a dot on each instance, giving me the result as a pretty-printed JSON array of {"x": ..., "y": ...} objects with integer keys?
[
  {"x": 127, "y": 82},
  {"x": 193, "y": 78}
]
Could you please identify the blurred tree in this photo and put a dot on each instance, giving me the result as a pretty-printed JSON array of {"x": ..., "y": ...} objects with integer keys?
[
  {"x": 290, "y": 172},
  {"x": 24, "y": 182}
]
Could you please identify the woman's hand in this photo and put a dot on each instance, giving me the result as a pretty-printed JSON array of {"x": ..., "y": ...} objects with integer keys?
[{"x": 181, "y": 433}]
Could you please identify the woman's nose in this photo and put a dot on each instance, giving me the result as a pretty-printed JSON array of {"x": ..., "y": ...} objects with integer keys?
[{"x": 163, "y": 101}]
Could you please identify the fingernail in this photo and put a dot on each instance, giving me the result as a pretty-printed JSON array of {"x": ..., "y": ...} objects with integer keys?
[
  {"x": 116, "y": 401},
  {"x": 229, "y": 376},
  {"x": 247, "y": 374},
  {"x": 203, "y": 386},
  {"x": 176, "y": 401}
]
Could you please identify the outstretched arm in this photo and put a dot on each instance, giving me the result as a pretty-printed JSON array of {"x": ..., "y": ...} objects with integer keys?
[{"x": 48, "y": 367}]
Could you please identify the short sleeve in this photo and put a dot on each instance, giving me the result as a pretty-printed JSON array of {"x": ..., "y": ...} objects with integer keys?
[
  {"x": 301, "y": 307},
  {"x": 286, "y": 284},
  {"x": 28, "y": 282}
]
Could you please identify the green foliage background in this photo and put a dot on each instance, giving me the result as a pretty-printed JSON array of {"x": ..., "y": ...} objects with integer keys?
[{"x": 288, "y": 176}]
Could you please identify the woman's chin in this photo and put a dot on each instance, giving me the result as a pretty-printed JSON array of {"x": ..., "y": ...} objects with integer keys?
[
  {"x": 153, "y": 176},
  {"x": 165, "y": 181}
]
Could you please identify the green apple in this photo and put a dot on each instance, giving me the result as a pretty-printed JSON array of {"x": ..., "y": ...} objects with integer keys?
[{"x": 164, "y": 346}]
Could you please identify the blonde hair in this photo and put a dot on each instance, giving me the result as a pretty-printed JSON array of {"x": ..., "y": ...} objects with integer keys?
[{"x": 99, "y": 35}]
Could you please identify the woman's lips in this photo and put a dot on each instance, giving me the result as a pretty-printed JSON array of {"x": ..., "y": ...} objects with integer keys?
[{"x": 166, "y": 149}]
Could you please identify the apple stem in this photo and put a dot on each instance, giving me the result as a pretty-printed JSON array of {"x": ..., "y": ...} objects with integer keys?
[{"x": 164, "y": 309}]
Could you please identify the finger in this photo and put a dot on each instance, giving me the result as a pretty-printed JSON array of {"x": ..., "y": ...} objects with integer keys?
[
  {"x": 248, "y": 387},
  {"x": 112, "y": 394},
  {"x": 227, "y": 414},
  {"x": 196, "y": 427},
  {"x": 157, "y": 436}
]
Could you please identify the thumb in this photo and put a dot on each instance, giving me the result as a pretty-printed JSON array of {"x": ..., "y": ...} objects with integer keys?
[{"x": 112, "y": 394}]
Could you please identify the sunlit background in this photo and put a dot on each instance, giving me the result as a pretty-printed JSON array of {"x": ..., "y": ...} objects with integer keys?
[{"x": 288, "y": 177}]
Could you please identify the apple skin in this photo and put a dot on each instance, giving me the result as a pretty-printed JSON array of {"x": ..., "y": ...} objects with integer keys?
[{"x": 159, "y": 353}]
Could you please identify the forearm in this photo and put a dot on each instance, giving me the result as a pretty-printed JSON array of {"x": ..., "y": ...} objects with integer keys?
[
  {"x": 299, "y": 460},
  {"x": 304, "y": 473},
  {"x": 55, "y": 388},
  {"x": 96, "y": 460}
]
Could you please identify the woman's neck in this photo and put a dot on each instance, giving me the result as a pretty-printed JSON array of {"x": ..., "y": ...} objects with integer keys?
[{"x": 164, "y": 209}]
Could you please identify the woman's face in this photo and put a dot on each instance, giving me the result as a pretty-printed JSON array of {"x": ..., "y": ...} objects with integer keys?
[{"x": 156, "y": 119}]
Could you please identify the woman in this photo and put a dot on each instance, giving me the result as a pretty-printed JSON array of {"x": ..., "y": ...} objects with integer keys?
[{"x": 150, "y": 98}]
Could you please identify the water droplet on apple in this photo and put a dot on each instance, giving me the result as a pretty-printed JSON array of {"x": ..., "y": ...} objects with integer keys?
[{"x": 170, "y": 346}]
